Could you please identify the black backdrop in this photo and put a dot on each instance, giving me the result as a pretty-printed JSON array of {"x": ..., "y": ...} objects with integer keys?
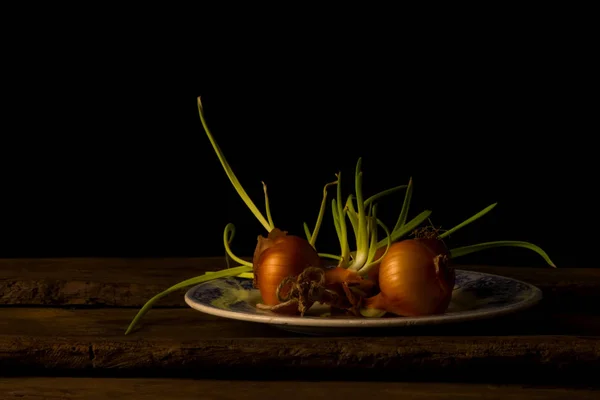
[{"x": 103, "y": 153}]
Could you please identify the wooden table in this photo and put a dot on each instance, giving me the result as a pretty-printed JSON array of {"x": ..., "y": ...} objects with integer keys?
[{"x": 62, "y": 324}]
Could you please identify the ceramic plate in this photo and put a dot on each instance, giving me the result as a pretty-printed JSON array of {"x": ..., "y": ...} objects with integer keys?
[{"x": 476, "y": 295}]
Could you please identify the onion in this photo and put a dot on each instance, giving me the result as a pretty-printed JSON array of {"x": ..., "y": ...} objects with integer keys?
[
  {"x": 278, "y": 257},
  {"x": 414, "y": 279}
]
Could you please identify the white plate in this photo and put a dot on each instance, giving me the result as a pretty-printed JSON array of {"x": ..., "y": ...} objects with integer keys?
[{"x": 476, "y": 295}]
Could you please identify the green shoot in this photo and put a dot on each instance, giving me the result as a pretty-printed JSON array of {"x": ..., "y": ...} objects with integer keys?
[
  {"x": 244, "y": 275},
  {"x": 336, "y": 221},
  {"x": 267, "y": 206},
  {"x": 312, "y": 238},
  {"x": 352, "y": 215},
  {"x": 341, "y": 212},
  {"x": 407, "y": 228},
  {"x": 365, "y": 225},
  {"x": 461, "y": 251},
  {"x": 362, "y": 237},
  {"x": 241, "y": 271},
  {"x": 182, "y": 285},
  {"x": 365, "y": 222},
  {"x": 379, "y": 195},
  {"x": 228, "y": 235},
  {"x": 468, "y": 221},
  {"x": 365, "y": 269},
  {"x": 331, "y": 256},
  {"x": 236, "y": 184},
  {"x": 405, "y": 206},
  {"x": 373, "y": 232},
  {"x": 307, "y": 232}
]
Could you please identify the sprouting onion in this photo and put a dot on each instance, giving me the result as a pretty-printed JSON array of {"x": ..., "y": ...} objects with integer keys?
[
  {"x": 279, "y": 255},
  {"x": 414, "y": 279},
  {"x": 414, "y": 276}
]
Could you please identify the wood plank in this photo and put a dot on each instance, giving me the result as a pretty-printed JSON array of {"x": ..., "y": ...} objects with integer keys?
[
  {"x": 147, "y": 389},
  {"x": 130, "y": 282},
  {"x": 98, "y": 281},
  {"x": 189, "y": 324},
  {"x": 186, "y": 343}
]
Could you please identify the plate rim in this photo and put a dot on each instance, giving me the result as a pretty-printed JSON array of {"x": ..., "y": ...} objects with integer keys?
[{"x": 324, "y": 322}]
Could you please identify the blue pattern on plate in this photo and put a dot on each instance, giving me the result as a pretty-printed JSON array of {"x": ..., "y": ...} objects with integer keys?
[
  {"x": 209, "y": 291},
  {"x": 495, "y": 290}
]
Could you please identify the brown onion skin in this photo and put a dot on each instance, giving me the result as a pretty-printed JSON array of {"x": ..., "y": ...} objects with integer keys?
[
  {"x": 409, "y": 283},
  {"x": 288, "y": 256}
]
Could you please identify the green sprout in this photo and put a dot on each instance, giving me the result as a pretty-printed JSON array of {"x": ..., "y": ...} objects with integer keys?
[{"x": 366, "y": 248}]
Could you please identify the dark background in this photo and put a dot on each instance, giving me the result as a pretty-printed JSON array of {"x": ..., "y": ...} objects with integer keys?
[{"x": 103, "y": 153}]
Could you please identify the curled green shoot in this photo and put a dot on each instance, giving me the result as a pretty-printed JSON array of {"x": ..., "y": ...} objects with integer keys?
[
  {"x": 236, "y": 184},
  {"x": 468, "y": 221},
  {"x": 312, "y": 237},
  {"x": 462, "y": 251},
  {"x": 182, "y": 285},
  {"x": 268, "y": 207},
  {"x": 228, "y": 236}
]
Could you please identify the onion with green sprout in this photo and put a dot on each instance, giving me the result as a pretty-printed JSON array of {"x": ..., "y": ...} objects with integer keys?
[
  {"x": 282, "y": 264},
  {"x": 414, "y": 276}
]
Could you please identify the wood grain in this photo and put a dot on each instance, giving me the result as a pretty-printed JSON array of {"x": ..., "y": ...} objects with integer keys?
[
  {"x": 163, "y": 389},
  {"x": 186, "y": 343},
  {"x": 130, "y": 282},
  {"x": 189, "y": 324}
]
